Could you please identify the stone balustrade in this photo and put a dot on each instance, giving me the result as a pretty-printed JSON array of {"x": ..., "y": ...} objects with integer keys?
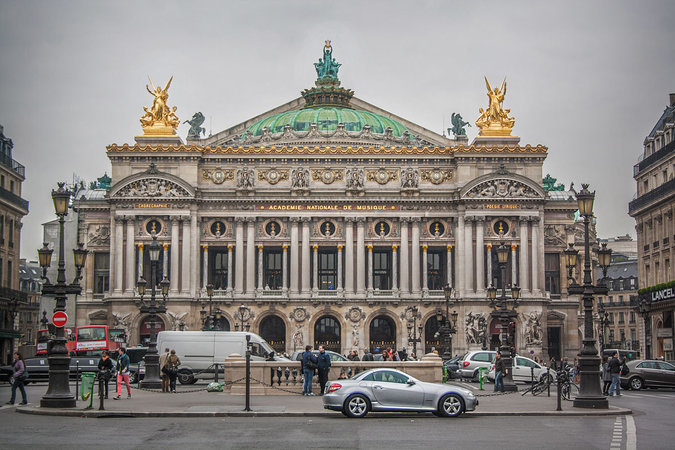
[{"x": 285, "y": 377}]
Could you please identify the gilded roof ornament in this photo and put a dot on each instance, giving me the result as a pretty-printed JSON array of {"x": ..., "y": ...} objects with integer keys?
[
  {"x": 495, "y": 121},
  {"x": 160, "y": 119}
]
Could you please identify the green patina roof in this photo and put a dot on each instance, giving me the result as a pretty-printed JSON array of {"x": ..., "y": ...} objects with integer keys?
[{"x": 327, "y": 118}]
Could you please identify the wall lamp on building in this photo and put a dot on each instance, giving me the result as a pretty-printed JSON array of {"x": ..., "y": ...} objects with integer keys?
[
  {"x": 590, "y": 392},
  {"x": 58, "y": 393},
  {"x": 152, "y": 308}
]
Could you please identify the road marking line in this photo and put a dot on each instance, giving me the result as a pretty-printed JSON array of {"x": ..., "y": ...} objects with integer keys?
[
  {"x": 617, "y": 434},
  {"x": 631, "y": 436}
]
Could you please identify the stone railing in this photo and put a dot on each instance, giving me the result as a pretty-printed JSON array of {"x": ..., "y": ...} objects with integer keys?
[{"x": 279, "y": 377}]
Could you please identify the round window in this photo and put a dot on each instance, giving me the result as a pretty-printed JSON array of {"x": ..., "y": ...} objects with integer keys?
[
  {"x": 436, "y": 229},
  {"x": 327, "y": 228},
  {"x": 273, "y": 228},
  {"x": 501, "y": 227},
  {"x": 153, "y": 226},
  {"x": 382, "y": 228},
  {"x": 218, "y": 228}
]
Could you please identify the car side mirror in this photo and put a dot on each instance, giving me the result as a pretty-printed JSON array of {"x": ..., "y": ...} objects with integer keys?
[{"x": 411, "y": 382}]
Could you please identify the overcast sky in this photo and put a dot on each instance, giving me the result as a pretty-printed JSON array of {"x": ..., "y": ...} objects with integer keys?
[{"x": 587, "y": 79}]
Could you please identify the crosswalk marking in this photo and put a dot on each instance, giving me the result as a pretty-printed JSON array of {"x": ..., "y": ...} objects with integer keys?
[{"x": 617, "y": 435}]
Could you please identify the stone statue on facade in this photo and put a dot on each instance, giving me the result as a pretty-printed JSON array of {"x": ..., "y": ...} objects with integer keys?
[
  {"x": 176, "y": 320},
  {"x": 196, "y": 129},
  {"x": 458, "y": 125},
  {"x": 476, "y": 325},
  {"x": 355, "y": 178},
  {"x": 410, "y": 178},
  {"x": 533, "y": 331},
  {"x": 328, "y": 66},
  {"x": 122, "y": 321},
  {"x": 245, "y": 178},
  {"x": 300, "y": 178}
]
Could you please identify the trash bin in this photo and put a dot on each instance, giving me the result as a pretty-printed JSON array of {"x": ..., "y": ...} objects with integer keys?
[
  {"x": 445, "y": 373},
  {"x": 87, "y": 386}
]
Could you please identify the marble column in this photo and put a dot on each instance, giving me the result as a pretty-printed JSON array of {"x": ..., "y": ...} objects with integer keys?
[
  {"x": 425, "y": 274},
  {"x": 306, "y": 269},
  {"x": 295, "y": 253},
  {"x": 480, "y": 264},
  {"x": 194, "y": 255},
  {"x": 535, "y": 256},
  {"x": 339, "y": 268},
  {"x": 360, "y": 255},
  {"x": 468, "y": 255},
  {"x": 239, "y": 256},
  {"x": 165, "y": 260},
  {"x": 349, "y": 255},
  {"x": 139, "y": 275},
  {"x": 205, "y": 266},
  {"x": 250, "y": 255},
  {"x": 405, "y": 271},
  {"x": 315, "y": 268},
  {"x": 523, "y": 265},
  {"x": 130, "y": 257},
  {"x": 119, "y": 256},
  {"x": 112, "y": 279},
  {"x": 460, "y": 261},
  {"x": 230, "y": 267},
  {"x": 448, "y": 265},
  {"x": 394, "y": 268},
  {"x": 415, "y": 257},
  {"x": 175, "y": 264},
  {"x": 185, "y": 269},
  {"x": 540, "y": 252},
  {"x": 489, "y": 266},
  {"x": 370, "y": 270},
  {"x": 284, "y": 269},
  {"x": 260, "y": 268},
  {"x": 514, "y": 277}
]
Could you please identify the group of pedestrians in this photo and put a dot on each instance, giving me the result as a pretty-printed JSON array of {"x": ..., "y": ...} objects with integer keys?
[
  {"x": 168, "y": 366},
  {"x": 311, "y": 363},
  {"x": 611, "y": 375}
]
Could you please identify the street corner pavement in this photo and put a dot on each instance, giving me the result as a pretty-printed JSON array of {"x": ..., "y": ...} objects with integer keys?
[{"x": 199, "y": 403}]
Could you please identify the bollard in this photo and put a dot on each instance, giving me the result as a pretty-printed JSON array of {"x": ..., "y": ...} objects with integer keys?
[
  {"x": 481, "y": 376},
  {"x": 559, "y": 408},
  {"x": 77, "y": 379},
  {"x": 532, "y": 375},
  {"x": 101, "y": 392},
  {"x": 548, "y": 380},
  {"x": 248, "y": 373},
  {"x": 216, "y": 378}
]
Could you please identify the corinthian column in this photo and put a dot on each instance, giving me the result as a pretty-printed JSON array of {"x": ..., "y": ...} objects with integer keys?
[
  {"x": 250, "y": 255},
  {"x": 349, "y": 255},
  {"x": 205, "y": 266},
  {"x": 239, "y": 256},
  {"x": 295, "y": 251},
  {"x": 425, "y": 275},
  {"x": 514, "y": 279},
  {"x": 284, "y": 269},
  {"x": 535, "y": 256},
  {"x": 229, "y": 268},
  {"x": 130, "y": 257},
  {"x": 460, "y": 261},
  {"x": 489, "y": 265},
  {"x": 370, "y": 269},
  {"x": 523, "y": 265},
  {"x": 405, "y": 271},
  {"x": 186, "y": 257},
  {"x": 360, "y": 256},
  {"x": 315, "y": 268},
  {"x": 339, "y": 268},
  {"x": 468, "y": 254},
  {"x": 415, "y": 257},
  {"x": 394, "y": 269},
  {"x": 448, "y": 265},
  {"x": 139, "y": 274},
  {"x": 119, "y": 259},
  {"x": 175, "y": 230},
  {"x": 260, "y": 268},
  {"x": 165, "y": 259},
  {"x": 480, "y": 276},
  {"x": 306, "y": 270}
]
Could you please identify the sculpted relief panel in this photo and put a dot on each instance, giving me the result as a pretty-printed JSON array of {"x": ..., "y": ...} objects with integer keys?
[
  {"x": 502, "y": 188},
  {"x": 153, "y": 188}
]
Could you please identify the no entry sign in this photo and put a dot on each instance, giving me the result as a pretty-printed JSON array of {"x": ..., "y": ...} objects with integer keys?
[{"x": 59, "y": 319}]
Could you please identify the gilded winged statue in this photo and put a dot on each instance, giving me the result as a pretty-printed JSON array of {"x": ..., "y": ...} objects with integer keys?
[
  {"x": 495, "y": 115},
  {"x": 159, "y": 113}
]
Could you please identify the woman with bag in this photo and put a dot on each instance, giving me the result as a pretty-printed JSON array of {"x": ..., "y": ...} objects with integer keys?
[
  {"x": 19, "y": 377},
  {"x": 172, "y": 363}
]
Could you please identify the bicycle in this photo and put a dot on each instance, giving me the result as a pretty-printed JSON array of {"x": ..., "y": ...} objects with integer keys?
[
  {"x": 540, "y": 386},
  {"x": 567, "y": 388}
]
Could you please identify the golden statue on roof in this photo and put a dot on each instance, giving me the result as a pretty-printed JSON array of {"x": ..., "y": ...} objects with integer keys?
[
  {"x": 160, "y": 119},
  {"x": 495, "y": 121}
]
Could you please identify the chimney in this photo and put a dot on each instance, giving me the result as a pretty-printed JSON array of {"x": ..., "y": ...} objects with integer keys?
[{"x": 672, "y": 99}]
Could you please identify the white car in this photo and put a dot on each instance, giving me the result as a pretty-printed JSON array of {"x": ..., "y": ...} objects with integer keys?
[{"x": 522, "y": 370}]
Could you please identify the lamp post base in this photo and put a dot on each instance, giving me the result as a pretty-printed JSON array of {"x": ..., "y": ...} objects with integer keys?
[
  {"x": 600, "y": 402},
  {"x": 151, "y": 380},
  {"x": 58, "y": 393},
  {"x": 590, "y": 393},
  {"x": 58, "y": 402}
]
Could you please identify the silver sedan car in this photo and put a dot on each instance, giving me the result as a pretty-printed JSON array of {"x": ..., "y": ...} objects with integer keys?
[{"x": 393, "y": 390}]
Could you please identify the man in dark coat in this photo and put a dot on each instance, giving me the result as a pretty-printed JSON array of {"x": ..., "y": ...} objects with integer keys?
[
  {"x": 499, "y": 372},
  {"x": 615, "y": 371},
  {"x": 309, "y": 362},
  {"x": 323, "y": 364},
  {"x": 367, "y": 356}
]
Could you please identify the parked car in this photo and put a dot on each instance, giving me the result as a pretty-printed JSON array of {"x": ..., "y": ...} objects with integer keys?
[
  {"x": 522, "y": 370},
  {"x": 334, "y": 357},
  {"x": 628, "y": 355},
  {"x": 38, "y": 368},
  {"x": 473, "y": 360},
  {"x": 393, "y": 390},
  {"x": 453, "y": 367},
  {"x": 651, "y": 374}
]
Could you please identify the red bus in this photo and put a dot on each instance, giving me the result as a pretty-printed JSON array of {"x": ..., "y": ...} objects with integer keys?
[{"x": 92, "y": 339}]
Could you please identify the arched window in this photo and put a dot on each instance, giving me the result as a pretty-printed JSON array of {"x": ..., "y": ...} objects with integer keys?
[
  {"x": 273, "y": 330},
  {"x": 382, "y": 333},
  {"x": 144, "y": 330},
  {"x": 327, "y": 333},
  {"x": 431, "y": 341}
]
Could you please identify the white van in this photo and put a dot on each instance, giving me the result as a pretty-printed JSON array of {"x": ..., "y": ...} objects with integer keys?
[{"x": 200, "y": 350}]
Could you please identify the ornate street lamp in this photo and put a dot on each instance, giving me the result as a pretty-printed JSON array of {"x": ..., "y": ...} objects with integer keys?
[
  {"x": 506, "y": 316},
  {"x": 414, "y": 333},
  {"x": 243, "y": 315},
  {"x": 151, "y": 358},
  {"x": 571, "y": 262},
  {"x": 590, "y": 392},
  {"x": 58, "y": 393},
  {"x": 644, "y": 308},
  {"x": 208, "y": 323},
  {"x": 447, "y": 328},
  {"x": 604, "y": 260}
]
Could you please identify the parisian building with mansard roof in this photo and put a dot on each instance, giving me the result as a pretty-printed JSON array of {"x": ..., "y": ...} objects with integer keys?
[{"x": 328, "y": 220}]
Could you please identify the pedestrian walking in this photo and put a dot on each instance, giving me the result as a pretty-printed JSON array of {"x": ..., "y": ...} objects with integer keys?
[
  {"x": 367, "y": 356},
  {"x": 19, "y": 377},
  {"x": 105, "y": 370},
  {"x": 499, "y": 372},
  {"x": 606, "y": 376},
  {"x": 614, "y": 366},
  {"x": 123, "y": 373},
  {"x": 162, "y": 368},
  {"x": 309, "y": 364},
  {"x": 323, "y": 365},
  {"x": 172, "y": 363}
]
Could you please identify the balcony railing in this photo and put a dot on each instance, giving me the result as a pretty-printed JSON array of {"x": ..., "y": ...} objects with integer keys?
[
  {"x": 8, "y": 295},
  {"x": 654, "y": 157},
  {"x": 13, "y": 198},
  {"x": 13, "y": 165},
  {"x": 663, "y": 191}
]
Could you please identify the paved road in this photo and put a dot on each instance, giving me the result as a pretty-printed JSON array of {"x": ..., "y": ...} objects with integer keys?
[{"x": 649, "y": 428}]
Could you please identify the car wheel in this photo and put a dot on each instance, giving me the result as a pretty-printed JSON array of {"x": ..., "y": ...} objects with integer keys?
[
  {"x": 450, "y": 405},
  {"x": 636, "y": 383},
  {"x": 133, "y": 378},
  {"x": 356, "y": 406},
  {"x": 185, "y": 376}
]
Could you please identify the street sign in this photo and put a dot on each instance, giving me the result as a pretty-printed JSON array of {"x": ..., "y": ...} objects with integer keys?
[{"x": 59, "y": 319}]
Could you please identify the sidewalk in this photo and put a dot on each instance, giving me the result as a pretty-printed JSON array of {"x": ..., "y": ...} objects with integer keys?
[{"x": 217, "y": 404}]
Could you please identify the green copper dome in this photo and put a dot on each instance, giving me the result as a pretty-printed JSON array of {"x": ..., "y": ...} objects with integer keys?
[{"x": 327, "y": 118}]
